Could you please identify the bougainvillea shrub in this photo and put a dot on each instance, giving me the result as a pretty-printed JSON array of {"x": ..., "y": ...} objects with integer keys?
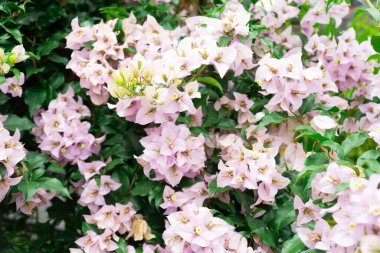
[{"x": 189, "y": 126}]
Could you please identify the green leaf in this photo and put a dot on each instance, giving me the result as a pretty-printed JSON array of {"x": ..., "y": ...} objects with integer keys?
[
  {"x": 212, "y": 81},
  {"x": 284, "y": 216},
  {"x": 342, "y": 187},
  {"x": 142, "y": 187},
  {"x": 35, "y": 159},
  {"x": 114, "y": 163},
  {"x": 3, "y": 98},
  {"x": 50, "y": 44},
  {"x": 375, "y": 14},
  {"x": 34, "y": 97},
  {"x": 36, "y": 174},
  {"x": 310, "y": 170},
  {"x": 274, "y": 117},
  {"x": 316, "y": 159},
  {"x": 87, "y": 227},
  {"x": 334, "y": 146},
  {"x": 58, "y": 59},
  {"x": 118, "y": 29},
  {"x": 304, "y": 128},
  {"x": 14, "y": 32},
  {"x": 375, "y": 41},
  {"x": 28, "y": 189},
  {"x": 260, "y": 228},
  {"x": 56, "y": 80},
  {"x": 374, "y": 57},
  {"x": 53, "y": 184},
  {"x": 14, "y": 122},
  {"x": 16, "y": 72},
  {"x": 224, "y": 41},
  {"x": 214, "y": 188},
  {"x": 122, "y": 246},
  {"x": 2, "y": 79},
  {"x": 227, "y": 124},
  {"x": 155, "y": 195},
  {"x": 293, "y": 245},
  {"x": 315, "y": 136},
  {"x": 353, "y": 141},
  {"x": 307, "y": 104},
  {"x": 369, "y": 159}
]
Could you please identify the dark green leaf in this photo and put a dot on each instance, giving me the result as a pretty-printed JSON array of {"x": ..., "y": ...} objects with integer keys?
[
  {"x": 122, "y": 246},
  {"x": 227, "y": 124},
  {"x": 34, "y": 97},
  {"x": 28, "y": 189},
  {"x": 35, "y": 159},
  {"x": 14, "y": 122},
  {"x": 50, "y": 44},
  {"x": 353, "y": 141},
  {"x": 53, "y": 184},
  {"x": 14, "y": 32},
  {"x": 274, "y": 117},
  {"x": 293, "y": 245},
  {"x": 224, "y": 41},
  {"x": 212, "y": 81},
  {"x": 142, "y": 187},
  {"x": 375, "y": 41},
  {"x": 285, "y": 215},
  {"x": 214, "y": 188},
  {"x": 316, "y": 159}
]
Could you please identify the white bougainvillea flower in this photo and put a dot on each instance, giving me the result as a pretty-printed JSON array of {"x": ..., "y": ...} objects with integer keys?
[{"x": 321, "y": 122}]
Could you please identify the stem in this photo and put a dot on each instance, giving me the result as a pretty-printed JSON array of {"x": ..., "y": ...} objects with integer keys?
[
  {"x": 199, "y": 72},
  {"x": 370, "y": 4}
]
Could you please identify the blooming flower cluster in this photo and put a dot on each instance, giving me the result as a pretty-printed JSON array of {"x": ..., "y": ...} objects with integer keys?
[
  {"x": 61, "y": 133},
  {"x": 195, "y": 229},
  {"x": 240, "y": 104},
  {"x": 196, "y": 195},
  {"x": 110, "y": 219},
  {"x": 290, "y": 83},
  {"x": 150, "y": 84},
  {"x": 251, "y": 168},
  {"x": 344, "y": 59},
  {"x": 12, "y": 152},
  {"x": 12, "y": 85},
  {"x": 39, "y": 199},
  {"x": 355, "y": 213},
  {"x": 172, "y": 152},
  {"x": 94, "y": 67}
]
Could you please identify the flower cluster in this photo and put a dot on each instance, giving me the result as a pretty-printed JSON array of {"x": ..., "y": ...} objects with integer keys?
[
  {"x": 143, "y": 102},
  {"x": 110, "y": 220},
  {"x": 195, "y": 229},
  {"x": 240, "y": 104},
  {"x": 150, "y": 84},
  {"x": 344, "y": 59},
  {"x": 12, "y": 85},
  {"x": 290, "y": 83},
  {"x": 172, "y": 152},
  {"x": 251, "y": 168},
  {"x": 12, "y": 152},
  {"x": 355, "y": 213},
  {"x": 61, "y": 133},
  {"x": 196, "y": 195},
  {"x": 39, "y": 199},
  {"x": 95, "y": 66}
]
